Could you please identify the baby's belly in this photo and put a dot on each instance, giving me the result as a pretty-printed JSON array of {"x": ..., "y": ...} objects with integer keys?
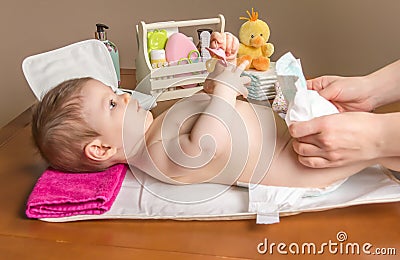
[
  {"x": 262, "y": 134},
  {"x": 250, "y": 153}
]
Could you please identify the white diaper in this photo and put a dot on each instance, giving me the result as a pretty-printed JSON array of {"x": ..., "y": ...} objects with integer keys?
[
  {"x": 268, "y": 201},
  {"x": 302, "y": 104}
]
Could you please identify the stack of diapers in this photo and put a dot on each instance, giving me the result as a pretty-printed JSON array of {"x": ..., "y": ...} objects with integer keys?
[
  {"x": 122, "y": 193},
  {"x": 262, "y": 84}
]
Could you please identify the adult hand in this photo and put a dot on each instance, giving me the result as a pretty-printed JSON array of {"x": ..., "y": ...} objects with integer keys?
[
  {"x": 346, "y": 93},
  {"x": 226, "y": 41},
  {"x": 339, "y": 139}
]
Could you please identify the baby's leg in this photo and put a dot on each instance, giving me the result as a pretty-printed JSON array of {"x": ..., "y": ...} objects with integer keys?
[
  {"x": 286, "y": 170},
  {"x": 392, "y": 163}
]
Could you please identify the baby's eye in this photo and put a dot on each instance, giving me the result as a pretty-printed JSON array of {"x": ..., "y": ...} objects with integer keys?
[
  {"x": 252, "y": 36},
  {"x": 112, "y": 104},
  {"x": 261, "y": 34}
]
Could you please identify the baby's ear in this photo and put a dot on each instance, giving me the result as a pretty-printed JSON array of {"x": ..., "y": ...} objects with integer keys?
[{"x": 98, "y": 151}]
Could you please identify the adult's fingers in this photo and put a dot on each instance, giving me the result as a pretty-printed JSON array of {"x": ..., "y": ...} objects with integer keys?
[
  {"x": 315, "y": 84},
  {"x": 301, "y": 129},
  {"x": 322, "y": 82},
  {"x": 314, "y": 139},
  {"x": 316, "y": 162},
  {"x": 331, "y": 92},
  {"x": 307, "y": 149}
]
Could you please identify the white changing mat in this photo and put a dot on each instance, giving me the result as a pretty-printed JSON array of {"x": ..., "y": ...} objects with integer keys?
[{"x": 372, "y": 185}]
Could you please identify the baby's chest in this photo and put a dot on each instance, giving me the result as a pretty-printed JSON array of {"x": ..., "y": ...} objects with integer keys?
[{"x": 248, "y": 122}]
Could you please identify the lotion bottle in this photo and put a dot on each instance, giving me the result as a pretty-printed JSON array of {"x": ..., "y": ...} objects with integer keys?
[{"x": 101, "y": 35}]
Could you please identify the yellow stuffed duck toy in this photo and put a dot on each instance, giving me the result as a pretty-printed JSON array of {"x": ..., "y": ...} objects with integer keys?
[{"x": 254, "y": 45}]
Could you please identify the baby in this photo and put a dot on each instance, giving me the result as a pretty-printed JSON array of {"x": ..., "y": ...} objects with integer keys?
[{"x": 83, "y": 126}]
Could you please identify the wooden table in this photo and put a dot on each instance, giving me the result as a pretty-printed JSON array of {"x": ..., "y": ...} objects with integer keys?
[{"x": 22, "y": 238}]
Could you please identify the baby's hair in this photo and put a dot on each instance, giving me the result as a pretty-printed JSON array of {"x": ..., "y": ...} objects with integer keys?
[{"x": 60, "y": 130}]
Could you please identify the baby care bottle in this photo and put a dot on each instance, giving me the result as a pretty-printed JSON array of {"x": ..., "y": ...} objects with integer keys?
[
  {"x": 101, "y": 35},
  {"x": 157, "y": 58}
]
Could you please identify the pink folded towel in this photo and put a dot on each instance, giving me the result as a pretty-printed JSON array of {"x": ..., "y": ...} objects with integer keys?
[{"x": 57, "y": 194}]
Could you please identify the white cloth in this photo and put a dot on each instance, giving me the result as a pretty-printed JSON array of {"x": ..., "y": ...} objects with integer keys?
[{"x": 303, "y": 104}]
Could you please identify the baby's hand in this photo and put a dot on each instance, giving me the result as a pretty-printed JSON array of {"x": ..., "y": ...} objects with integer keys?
[
  {"x": 228, "y": 76},
  {"x": 226, "y": 41}
]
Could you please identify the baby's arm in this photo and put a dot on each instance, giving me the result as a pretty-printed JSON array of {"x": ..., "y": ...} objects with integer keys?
[
  {"x": 195, "y": 136},
  {"x": 210, "y": 132}
]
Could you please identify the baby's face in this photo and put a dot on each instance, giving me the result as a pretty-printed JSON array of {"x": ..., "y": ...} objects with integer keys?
[{"x": 107, "y": 112}]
